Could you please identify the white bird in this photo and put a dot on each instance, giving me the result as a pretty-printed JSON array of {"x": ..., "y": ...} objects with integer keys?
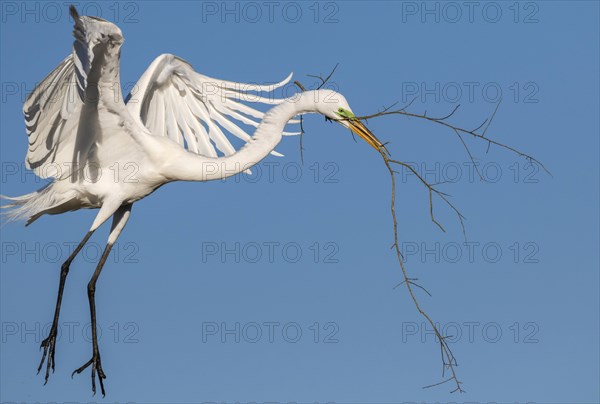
[{"x": 81, "y": 132}]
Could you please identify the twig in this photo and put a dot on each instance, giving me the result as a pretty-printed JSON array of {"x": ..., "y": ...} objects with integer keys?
[
  {"x": 470, "y": 155},
  {"x": 443, "y": 121},
  {"x": 301, "y": 138},
  {"x": 301, "y": 87},
  {"x": 448, "y": 359},
  {"x": 458, "y": 131},
  {"x": 411, "y": 280},
  {"x": 449, "y": 362},
  {"x": 326, "y": 79},
  {"x": 433, "y": 190}
]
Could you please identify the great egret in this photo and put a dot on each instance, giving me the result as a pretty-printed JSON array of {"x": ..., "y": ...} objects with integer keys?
[{"x": 78, "y": 125}]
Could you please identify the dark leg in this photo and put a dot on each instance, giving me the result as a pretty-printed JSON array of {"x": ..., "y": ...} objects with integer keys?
[
  {"x": 119, "y": 220},
  {"x": 49, "y": 343},
  {"x": 95, "y": 361}
]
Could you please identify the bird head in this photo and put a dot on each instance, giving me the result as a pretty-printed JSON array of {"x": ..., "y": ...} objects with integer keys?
[
  {"x": 96, "y": 30},
  {"x": 335, "y": 108}
]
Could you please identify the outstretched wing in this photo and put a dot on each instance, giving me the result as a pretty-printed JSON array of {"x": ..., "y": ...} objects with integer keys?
[
  {"x": 52, "y": 110},
  {"x": 194, "y": 110},
  {"x": 52, "y": 117}
]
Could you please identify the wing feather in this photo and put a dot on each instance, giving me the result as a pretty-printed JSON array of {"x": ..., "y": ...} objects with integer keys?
[
  {"x": 196, "y": 111},
  {"x": 171, "y": 124},
  {"x": 51, "y": 114},
  {"x": 52, "y": 110}
]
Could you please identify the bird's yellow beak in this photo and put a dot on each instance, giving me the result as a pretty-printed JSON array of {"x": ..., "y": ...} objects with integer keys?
[
  {"x": 356, "y": 126},
  {"x": 361, "y": 130}
]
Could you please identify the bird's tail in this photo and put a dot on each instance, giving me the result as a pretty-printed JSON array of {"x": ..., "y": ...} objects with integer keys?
[{"x": 31, "y": 206}]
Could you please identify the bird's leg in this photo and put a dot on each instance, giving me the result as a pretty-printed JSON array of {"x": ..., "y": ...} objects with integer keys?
[
  {"x": 49, "y": 343},
  {"x": 119, "y": 220},
  {"x": 95, "y": 361}
]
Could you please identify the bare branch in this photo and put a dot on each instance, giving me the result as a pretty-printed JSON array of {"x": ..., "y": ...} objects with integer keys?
[
  {"x": 449, "y": 362},
  {"x": 412, "y": 281},
  {"x": 438, "y": 384},
  {"x": 449, "y": 115},
  {"x": 433, "y": 190},
  {"x": 470, "y": 155},
  {"x": 480, "y": 126},
  {"x": 443, "y": 121},
  {"x": 448, "y": 359},
  {"x": 301, "y": 138},
  {"x": 326, "y": 79},
  {"x": 301, "y": 87},
  {"x": 491, "y": 118}
]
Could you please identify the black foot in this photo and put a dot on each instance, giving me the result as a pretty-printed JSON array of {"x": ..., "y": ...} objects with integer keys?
[
  {"x": 96, "y": 366},
  {"x": 48, "y": 344}
]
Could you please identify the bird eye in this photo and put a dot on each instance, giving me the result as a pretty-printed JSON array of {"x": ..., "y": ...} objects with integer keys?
[{"x": 340, "y": 109}]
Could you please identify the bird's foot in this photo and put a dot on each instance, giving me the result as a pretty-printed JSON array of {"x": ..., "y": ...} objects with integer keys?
[
  {"x": 96, "y": 367},
  {"x": 49, "y": 345}
]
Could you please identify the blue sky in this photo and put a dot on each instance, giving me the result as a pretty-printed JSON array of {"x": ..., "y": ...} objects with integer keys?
[{"x": 279, "y": 287}]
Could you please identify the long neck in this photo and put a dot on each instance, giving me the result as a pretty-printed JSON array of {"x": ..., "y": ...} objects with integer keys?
[
  {"x": 192, "y": 167},
  {"x": 105, "y": 75}
]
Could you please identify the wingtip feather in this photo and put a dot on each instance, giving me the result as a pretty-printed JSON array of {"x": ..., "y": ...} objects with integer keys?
[{"x": 73, "y": 12}]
